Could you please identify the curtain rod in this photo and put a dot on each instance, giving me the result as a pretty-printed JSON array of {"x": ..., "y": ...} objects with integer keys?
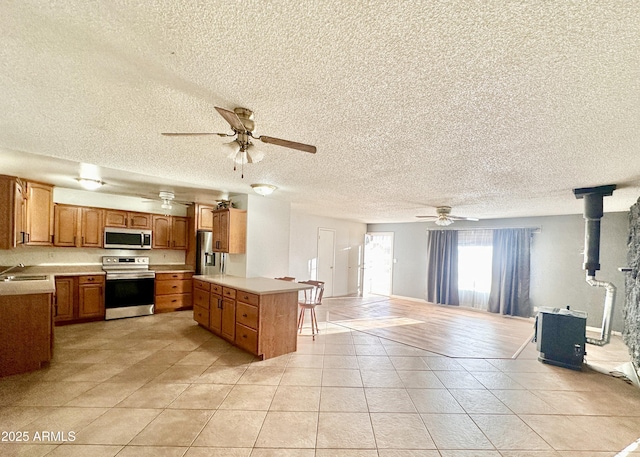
[{"x": 465, "y": 229}]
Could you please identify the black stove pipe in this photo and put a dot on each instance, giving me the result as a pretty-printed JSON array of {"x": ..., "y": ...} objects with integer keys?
[{"x": 592, "y": 214}]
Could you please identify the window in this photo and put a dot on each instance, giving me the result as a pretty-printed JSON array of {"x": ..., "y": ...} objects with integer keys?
[{"x": 475, "y": 253}]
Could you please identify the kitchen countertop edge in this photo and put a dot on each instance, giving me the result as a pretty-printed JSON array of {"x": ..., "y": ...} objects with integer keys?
[{"x": 257, "y": 285}]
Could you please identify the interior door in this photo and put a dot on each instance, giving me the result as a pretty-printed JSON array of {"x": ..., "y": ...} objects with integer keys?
[
  {"x": 326, "y": 259},
  {"x": 378, "y": 263}
]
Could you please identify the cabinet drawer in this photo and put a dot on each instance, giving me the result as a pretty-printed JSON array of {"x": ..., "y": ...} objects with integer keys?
[
  {"x": 173, "y": 301},
  {"x": 201, "y": 315},
  {"x": 177, "y": 286},
  {"x": 247, "y": 315},
  {"x": 247, "y": 338},
  {"x": 91, "y": 279},
  {"x": 169, "y": 276},
  {"x": 246, "y": 297},
  {"x": 228, "y": 293},
  {"x": 216, "y": 289},
  {"x": 201, "y": 298},
  {"x": 204, "y": 285}
]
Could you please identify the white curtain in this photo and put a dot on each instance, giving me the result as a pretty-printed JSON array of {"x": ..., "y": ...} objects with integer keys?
[{"x": 474, "y": 267}]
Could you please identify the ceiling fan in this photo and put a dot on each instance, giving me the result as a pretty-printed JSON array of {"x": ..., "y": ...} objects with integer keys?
[
  {"x": 444, "y": 217},
  {"x": 241, "y": 122}
]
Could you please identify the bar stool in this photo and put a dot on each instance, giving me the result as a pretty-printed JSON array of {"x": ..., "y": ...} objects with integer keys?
[{"x": 312, "y": 298}]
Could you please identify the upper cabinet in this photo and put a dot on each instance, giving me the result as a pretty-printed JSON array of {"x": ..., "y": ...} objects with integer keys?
[
  {"x": 39, "y": 209},
  {"x": 12, "y": 207},
  {"x": 204, "y": 217},
  {"x": 77, "y": 226},
  {"x": 127, "y": 219},
  {"x": 169, "y": 232},
  {"x": 229, "y": 227}
]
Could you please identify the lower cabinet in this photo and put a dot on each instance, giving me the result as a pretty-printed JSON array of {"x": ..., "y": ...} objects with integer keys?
[
  {"x": 173, "y": 291},
  {"x": 26, "y": 333},
  {"x": 79, "y": 299},
  {"x": 264, "y": 325}
]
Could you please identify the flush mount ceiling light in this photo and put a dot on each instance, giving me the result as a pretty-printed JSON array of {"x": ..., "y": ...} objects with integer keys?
[
  {"x": 90, "y": 184},
  {"x": 263, "y": 189}
]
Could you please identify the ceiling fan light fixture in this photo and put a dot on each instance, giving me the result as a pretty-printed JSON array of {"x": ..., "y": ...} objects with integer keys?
[
  {"x": 166, "y": 198},
  {"x": 443, "y": 221},
  {"x": 263, "y": 189},
  {"x": 89, "y": 183}
]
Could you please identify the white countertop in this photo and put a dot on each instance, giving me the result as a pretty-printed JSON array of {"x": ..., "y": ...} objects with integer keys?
[
  {"x": 259, "y": 286},
  {"x": 47, "y": 286}
]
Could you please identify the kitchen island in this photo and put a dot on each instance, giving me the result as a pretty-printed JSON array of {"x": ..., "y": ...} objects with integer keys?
[
  {"x": 26, "y": 325},
  {"x": 258, "y": 315}
]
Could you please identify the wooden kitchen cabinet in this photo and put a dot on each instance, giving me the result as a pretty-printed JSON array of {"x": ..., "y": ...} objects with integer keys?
[
  {"x": 222, "y": 312},
  {"x": 128, "y": 219},
  {"x": 229, "y": 227},
  {"x": 169, "y": 232},
  {"x": 204, "y": 217},
  {"x": 39, "y": 214},
  {"x": 179, "y": 230},
  {"x": 64, "y": 301},
  {"x": 91, "y": 297},
  {"x": 264, "y": 325},
  {"x": 26, "y": 332},
  {"x": 173, "y": 291},
  {"x": 215, "y": 309},
  {"x": 13, "y": 209},
  {"x": 79, "y": 299},
  {"x": 78, "y": 226},
  {"x": 201, "y": 299}
]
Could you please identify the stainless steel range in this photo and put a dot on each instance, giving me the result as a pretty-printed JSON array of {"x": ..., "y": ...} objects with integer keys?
[{"x": 130, "y": 286}]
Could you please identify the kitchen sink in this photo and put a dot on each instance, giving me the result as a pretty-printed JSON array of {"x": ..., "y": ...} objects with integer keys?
[{"x": 24, "y": 278}]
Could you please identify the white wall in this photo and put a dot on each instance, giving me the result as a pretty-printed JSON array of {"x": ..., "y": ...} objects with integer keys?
[
  {"x": 303, "y": 249},
  {"x": 268, "y": 225}
]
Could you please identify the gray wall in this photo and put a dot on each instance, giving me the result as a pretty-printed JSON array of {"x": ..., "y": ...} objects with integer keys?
[{"x": 557, "y": 277}]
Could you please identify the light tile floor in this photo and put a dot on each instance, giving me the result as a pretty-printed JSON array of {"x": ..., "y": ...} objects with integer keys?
[{"x": 162, "y": 386}]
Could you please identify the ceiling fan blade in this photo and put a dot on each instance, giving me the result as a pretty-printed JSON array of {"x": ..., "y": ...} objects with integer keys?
[
  {"x": 427, "y": 217},
  {"x": 459, "y": 218},
  {"x": 288, "y": 144},
  {"x": 233, "y": 119},
  {"x": 193, "y": 134}
]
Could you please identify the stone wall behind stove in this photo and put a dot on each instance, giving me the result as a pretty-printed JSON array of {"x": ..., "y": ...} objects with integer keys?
[{"x": 631, "y": 332}]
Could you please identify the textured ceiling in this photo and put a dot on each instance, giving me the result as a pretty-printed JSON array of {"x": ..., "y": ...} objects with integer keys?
[{"x": 495, "y": 108}]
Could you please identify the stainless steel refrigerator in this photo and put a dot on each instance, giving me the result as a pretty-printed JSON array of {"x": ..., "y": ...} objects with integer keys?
[{"x": 205, "y": 257}]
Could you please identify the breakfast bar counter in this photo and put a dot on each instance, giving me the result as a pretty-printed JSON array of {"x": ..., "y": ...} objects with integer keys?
[{"x": 258, "y": 315}]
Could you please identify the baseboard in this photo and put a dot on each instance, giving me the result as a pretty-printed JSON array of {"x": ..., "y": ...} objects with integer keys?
[{"x": 414, "y": 299}]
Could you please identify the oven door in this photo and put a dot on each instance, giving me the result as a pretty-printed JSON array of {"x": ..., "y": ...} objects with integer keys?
[{"x": 129, "y": 294}]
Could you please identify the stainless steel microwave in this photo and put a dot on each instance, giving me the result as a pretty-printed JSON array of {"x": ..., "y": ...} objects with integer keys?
[{"x": 121, "y": 238}]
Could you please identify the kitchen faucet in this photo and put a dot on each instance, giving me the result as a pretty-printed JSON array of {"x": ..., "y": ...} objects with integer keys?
[{"x": 20, "y": 265}]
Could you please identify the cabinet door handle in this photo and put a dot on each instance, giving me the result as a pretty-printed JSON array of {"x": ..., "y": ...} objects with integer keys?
[
  {"x": 244, "y": 336},
  {"x": 82, "y": 240},
  {"x": 174, "y": 287},
  {"x": 174, "y": 300},
  {"x": 244, "y": 315},
  {"x": 74, "y": 240}
]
